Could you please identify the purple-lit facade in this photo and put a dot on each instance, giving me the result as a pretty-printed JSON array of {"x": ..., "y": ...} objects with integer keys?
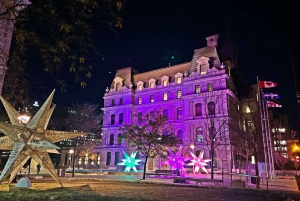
[{"x": 182, "y": 92}]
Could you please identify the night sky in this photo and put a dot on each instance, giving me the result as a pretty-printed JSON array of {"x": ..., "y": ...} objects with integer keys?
[{"x": 154, "y": 31}]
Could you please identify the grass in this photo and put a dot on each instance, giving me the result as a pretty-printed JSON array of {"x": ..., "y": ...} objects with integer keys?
[{"x": 108, "y": 190}]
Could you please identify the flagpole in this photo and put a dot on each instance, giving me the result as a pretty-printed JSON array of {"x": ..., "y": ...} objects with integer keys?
[
  {"x": 262, "y": 125},
  {"x": 270, "y": 145},
  {"x": 267, "y": 133}
]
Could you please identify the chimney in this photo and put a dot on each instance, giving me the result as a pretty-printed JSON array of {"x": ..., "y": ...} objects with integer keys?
[{"x": 212, "y": 40}]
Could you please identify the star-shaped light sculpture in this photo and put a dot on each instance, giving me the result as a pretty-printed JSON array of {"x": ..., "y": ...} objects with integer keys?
[
  {"x": 199, "y": 162},
  {"x": 176, "y": 160},
  {"x": 130, "y": 161},
  {"x": 30, "y": 140}
]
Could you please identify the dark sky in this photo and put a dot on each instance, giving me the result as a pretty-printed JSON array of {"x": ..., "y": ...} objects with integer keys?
[{"x": 154, "y": 31}]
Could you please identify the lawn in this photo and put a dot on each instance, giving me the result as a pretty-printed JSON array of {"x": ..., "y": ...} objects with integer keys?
[{"x": 107, "y": 190}]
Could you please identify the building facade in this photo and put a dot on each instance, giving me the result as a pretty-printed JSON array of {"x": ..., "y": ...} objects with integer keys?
[{"x": 198, "y": 97}]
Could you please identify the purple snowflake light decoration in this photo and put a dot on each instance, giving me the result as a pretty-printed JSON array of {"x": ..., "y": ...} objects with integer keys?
[
  {"x": 176, "y": 160},
  {"x": 199, "y": 162}
]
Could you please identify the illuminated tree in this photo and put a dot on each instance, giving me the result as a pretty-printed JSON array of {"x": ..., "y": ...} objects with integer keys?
[{"x": 151, "y": 136}]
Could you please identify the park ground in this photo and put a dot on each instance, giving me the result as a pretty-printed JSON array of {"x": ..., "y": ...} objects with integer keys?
[{"x": 86, "y": 190}]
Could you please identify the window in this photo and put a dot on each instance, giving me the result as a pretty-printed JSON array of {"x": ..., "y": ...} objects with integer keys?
[
  {"x": 210, "y": 87},
  {"x": 198, "y": 108},
  {"x": 112, "y": 119},
  {"x": 111, "y": 139},
  {"x": 180, "y": 135},
  {"x": 178, "y": 80},
  {"x": 165, "y": 96},
  {"x": 139, "y": 100},
  {"x": 247, "y": 109},
  {"x": 108, "y": 158},
  {"x": 140, "y": 87},
  {"x": 211, "y": 106},
  {"x": 152, "y": 114},
  {"x": 165, "y": 83},
  {"x": 151, "y": 99},
  {"x": 121, "y": 101},
  {"x": 249, "y": 126},
  {"x": 202, "y": 69},
  {"x": 119, "y": 138},
  {"x": 140, "y": 117},
  {"x": 179, "y": 94},
  {"x": 165, "y": 112},
  {"x": 113, "y": 102},
  {"x": 118, "y": 87},
  {"x": 120, "y": 118},
  {"x": 180, "y": 113},
  {"x": 197, "y": 89},
  {"x": 199, "y": 134},
  {"x": 152, "y": 85},
  {"x": 117, "y": 158}
]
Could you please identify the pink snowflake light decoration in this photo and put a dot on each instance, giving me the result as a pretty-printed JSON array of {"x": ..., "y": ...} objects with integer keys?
[
  {"x": 199, "y": 162},
  {"x": 176, "y": 160}
]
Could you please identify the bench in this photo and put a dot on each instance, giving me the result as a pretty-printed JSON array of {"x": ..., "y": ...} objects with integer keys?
[
  {"x": 218, "y": 182},
  {"x": 163, "y": 173}
]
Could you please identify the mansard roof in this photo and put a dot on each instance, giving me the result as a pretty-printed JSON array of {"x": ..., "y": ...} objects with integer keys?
[
  {"x": 126, "y": 74},
  {"x": 157, "y": 74},
  {"x": 209, "y": 52}
]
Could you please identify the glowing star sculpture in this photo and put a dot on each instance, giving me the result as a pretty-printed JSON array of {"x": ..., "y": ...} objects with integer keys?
[
  {"x": 30, "y": 140},
  {"x": 199, "y": 162},
  {"x": 130, "y": 162},
  {"x": 176, "y": 160}
]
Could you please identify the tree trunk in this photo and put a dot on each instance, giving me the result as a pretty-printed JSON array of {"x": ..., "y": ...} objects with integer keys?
[
  {"x": 212, "y": 160},
  {"x": 256, "y": 167},
  {"x": 73, "y": 165},
  {"x": 145, "y": 165}
]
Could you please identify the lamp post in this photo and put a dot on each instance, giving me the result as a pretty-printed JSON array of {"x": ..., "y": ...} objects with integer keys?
[
  {"x": 192, "y": 147},
  {"x": 72, "y": 152}
]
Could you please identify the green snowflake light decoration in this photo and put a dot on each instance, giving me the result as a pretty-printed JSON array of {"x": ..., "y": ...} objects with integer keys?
[{"x": 130, "y": 161}]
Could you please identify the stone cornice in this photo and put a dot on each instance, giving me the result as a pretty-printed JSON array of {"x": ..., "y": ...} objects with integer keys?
[{"x": 117, "y": 107}]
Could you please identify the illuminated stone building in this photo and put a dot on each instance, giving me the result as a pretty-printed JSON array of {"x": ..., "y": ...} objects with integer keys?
[{"x": 188, "y": 94}]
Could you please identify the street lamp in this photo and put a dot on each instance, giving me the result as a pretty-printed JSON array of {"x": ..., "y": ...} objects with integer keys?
[
  {"x": 72, "y": 152},
  {"x": 192, "y": 147}
]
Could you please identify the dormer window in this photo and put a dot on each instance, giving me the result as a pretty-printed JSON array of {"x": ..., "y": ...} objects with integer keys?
[
  {"x": 203, "y": 69},
  {"x": 165, "y": 83},
  {"x": 165, "y": 80},
  {"x": 203, "y": 65},
  {"x": 178, "y": 78},
  {"x": 118, "y": 87},
  {"x": 152, "y": 83},
  {"x": 140, "y": 85},
  {"x": 118, "y": 83}
]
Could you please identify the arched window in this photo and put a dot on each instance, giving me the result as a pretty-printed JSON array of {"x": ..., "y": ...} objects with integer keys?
[
  {"x": 117, "y": 158},
  {"x": 112, "y": 119},
  {"x": 198, "y": 108},
  {"x": 180, "y": 135},
  {"x": 211, "y": 106},
  {"x": 165, "y": 113},
  {"x": 121, "y": 118},
  {"x": 140, "y": 117},
  {"x": 199, "y": 134},
  {"x": 180, "y": 113},
  {"x": 119, "y": 138},
  {"x": 111, "y": 139},
  {"x": 108, "y": 158}
]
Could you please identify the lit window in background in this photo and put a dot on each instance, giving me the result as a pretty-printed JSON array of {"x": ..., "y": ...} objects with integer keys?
[
  {"x": 24, "y": 119},
  {"x": 178, "y": 80}
]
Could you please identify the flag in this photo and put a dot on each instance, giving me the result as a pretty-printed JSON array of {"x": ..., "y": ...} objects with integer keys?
[
  {"x": 271, "y": 96},
  {"x": 272, "y": 104},
  {"x": 267, "y": 84}
]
